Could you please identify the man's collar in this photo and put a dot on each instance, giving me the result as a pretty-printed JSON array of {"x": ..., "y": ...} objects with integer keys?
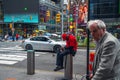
[{"x": 102, "y": 37}]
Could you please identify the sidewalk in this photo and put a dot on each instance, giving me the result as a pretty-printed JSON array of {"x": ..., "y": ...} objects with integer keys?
[{"x": 10, "y": 73}]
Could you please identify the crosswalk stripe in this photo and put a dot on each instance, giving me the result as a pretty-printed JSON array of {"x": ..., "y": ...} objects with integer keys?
[
  {"x": 8, "y": 62},
  {"x": 17, "y": 56},
  {"x": 13, "y": 55},
  {"x": 11, "y": 49},
  {"x": 11, "y": 58}
]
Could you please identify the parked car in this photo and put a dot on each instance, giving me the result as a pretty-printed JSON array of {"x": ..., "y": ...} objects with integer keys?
[
  {"x": 47, "y": 34},
  {"x": 42, "y": 43}
]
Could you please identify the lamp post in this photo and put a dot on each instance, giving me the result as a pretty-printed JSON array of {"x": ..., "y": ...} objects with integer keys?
[
  {"x": 77, "y": 19},
  {"x": 62, "y": 23},
  {"x": 88, "y": 44},
  {"x": 63, "y": 8},
  {"x": 62, "y": 26}
]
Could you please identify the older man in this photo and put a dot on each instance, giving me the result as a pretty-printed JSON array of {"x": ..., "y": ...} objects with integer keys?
[{"x": 106, "y": 64}]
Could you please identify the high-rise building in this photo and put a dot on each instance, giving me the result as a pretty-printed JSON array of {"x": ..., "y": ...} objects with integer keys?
[
  {"x": 1, "y": 10},
  {"x": 108, "y": 11}
]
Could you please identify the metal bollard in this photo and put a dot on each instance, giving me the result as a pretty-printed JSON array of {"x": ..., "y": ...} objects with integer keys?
[
  {"x": 68, "y": 71},
  {"x": 30, "y": 62}
]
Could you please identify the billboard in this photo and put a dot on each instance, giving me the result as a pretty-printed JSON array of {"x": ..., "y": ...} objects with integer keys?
[
  {"x": 83, "y": 13},
  {"x": 25, "y": 11}
]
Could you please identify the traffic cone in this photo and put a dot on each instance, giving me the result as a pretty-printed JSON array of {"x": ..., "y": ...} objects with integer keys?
[
  {"x": 92, "y": 54},
  {"x": 91, "y": 59}
]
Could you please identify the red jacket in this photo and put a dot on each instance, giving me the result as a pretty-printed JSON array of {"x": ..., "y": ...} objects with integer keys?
[
  {"x": 70, "y": 41},
  {"x": 17, "y": 35}
]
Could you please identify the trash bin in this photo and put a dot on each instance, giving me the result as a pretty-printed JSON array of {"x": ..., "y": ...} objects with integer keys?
[{"x": 30, "y": 62}]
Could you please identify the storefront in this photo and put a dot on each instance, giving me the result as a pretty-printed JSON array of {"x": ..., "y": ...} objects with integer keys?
[{"x": 29, "y": 19}]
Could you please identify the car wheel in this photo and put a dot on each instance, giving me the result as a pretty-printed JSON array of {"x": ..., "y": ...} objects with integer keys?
[
  {"x": 56, "y": 48},
  {"x": 29, "y": 47}
]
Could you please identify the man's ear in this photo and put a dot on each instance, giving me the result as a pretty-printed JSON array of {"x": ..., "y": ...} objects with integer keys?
[{"x": 104, "y": 30}]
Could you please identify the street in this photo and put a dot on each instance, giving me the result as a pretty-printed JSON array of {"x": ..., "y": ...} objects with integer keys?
[{"x": 12, "y": 55}]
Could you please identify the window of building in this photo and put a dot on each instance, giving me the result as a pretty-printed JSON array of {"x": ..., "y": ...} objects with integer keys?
[
  {"x": 104, "y": 9},
  {"x": 1, "y": 10}
]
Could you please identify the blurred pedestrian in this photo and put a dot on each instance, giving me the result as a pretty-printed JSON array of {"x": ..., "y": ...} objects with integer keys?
[
  {"x": 70, "y": 48},
  {"x": 13, "y": 34},
  {"x": 106, "y": 65},
  {"x": 6, "y": 37},
  {"x": 17, "y": 36},
  {"x": 30, "y": 36}
]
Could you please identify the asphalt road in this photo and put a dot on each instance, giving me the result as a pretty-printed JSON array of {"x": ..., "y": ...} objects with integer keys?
[{"x": 17, "y": 57}]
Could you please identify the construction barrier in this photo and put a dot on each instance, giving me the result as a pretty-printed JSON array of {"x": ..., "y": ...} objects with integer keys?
[{"x": 91, "y": 59}]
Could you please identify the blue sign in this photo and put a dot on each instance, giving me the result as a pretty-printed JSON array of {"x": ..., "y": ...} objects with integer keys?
[{"x": 22, "y": 18}]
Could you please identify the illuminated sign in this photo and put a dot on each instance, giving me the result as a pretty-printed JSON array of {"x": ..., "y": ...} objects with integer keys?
[
  {"x": 22, "y": 18},
  {"x": 25, "y": 11}
]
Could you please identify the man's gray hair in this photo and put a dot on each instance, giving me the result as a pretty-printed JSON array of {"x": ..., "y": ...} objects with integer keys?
[{"x": 100, "y": 24}]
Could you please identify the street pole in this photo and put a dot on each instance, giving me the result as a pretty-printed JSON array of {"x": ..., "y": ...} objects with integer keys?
[
  {"x": 62, "y": 7},
  {"x": 88, "y": 44},
  {"x": 62, "y": 23},
  {"x": 76, "y": 19},
  {"x": 69, "y": 13}
]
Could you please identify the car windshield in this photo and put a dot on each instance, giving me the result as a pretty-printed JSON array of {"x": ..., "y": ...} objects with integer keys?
[{"x": 56, "y": 38}]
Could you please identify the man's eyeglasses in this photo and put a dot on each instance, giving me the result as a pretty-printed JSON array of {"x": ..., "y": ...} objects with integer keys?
[{"x": 94, "y": 31}]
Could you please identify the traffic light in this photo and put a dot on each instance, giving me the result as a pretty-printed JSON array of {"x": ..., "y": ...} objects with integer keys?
[
  {"x": 58, "y": 17},
  {"x": 48, "y": 13},
  {"x": 41, "y": 19},
  {"x": 71, "y": 18},
  {"x": 10, "y": 25}
]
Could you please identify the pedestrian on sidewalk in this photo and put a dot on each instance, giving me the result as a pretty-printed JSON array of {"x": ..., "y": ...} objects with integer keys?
[
  {"x": 13, "y": 34},
  {"x": 70, "y": 48},
  {"x": 106, "y": 65},
  {"x": 6, "y": 37},
  {"x": 17, "y": 36}
]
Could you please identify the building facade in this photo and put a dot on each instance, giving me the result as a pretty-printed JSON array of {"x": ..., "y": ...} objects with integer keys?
[
  {"x": 104, "y": 8},
  {"x": 1, "y": 17},
  {"x": 108, "y": 11},
  {"x": 27, "y": 20}
]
